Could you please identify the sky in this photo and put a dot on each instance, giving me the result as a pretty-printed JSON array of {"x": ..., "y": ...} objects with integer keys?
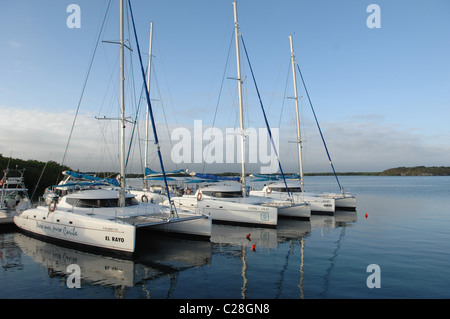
[{"x": 381, "y": 94}]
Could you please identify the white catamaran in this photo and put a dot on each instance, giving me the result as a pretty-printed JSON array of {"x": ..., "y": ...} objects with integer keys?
[
  {"x": 105, "y": 218},
  {"x": 321, "y": 203},
  {"x": 230, "y": 203}
]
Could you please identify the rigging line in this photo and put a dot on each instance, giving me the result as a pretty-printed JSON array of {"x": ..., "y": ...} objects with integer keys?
[
  {"x": 134, "y": 126},
  {"x": 220, "y": 90},
  {"x": 284, "y": 95},
  {"x": 160, "y": 55},
  {"x": 40, "y": 176},
  {"x": 265, "y": 117},
  {"x": 158, "y": 87},
  {"x": 163, "y": 109},
  {"x": 85, "y": 82},
  {"x": 150, "y": 108},
  {"x": 320, "y": 131},
  {"x": 275, "y": 87}
]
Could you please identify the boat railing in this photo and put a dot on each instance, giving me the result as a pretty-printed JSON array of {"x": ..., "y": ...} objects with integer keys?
[{"x": 121, "y": 212}]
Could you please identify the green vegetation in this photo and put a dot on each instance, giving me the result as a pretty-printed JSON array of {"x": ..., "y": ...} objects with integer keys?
[
  {"x": 33, "y": 170},
  {"x": 417, "y": 171}
]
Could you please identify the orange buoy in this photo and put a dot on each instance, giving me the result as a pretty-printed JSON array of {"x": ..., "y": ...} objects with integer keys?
[
  {"x": 253, "y": 247},
  {"x": 248, "y": 237},
  {"x": 366, "y": 215}
]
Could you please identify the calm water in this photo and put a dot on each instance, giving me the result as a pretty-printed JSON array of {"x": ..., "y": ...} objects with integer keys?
[{"x": 406, "y": 233}]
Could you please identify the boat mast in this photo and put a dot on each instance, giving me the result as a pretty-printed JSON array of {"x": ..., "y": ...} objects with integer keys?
[
  {"x": 236, "y": 30},
  {"x": 148, "y": 89},
  {"x": 299, "y": 140},
  {"x": 122, "y": 112}
]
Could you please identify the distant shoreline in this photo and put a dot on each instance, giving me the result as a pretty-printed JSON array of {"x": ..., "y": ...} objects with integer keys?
[
  {"x": 39, "y": 175},
  {"x": 398, "y": 171}
]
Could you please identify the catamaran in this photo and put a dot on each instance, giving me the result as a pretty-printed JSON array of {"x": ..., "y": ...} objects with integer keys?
[
  {"x": 292, "y": 189},
  {"x": 321, "y": 203},
  {"x": 226, "y": 204},
  {"x": 108, "y": 219},
  {"x": 230, "y": 203}
]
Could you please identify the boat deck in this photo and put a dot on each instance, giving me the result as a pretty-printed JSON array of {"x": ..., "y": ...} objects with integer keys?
[{"x": 157, "y": 219}]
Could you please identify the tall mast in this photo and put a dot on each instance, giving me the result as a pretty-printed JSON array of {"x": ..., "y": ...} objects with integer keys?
[
  {"x": 148, "y": 89},
  {"x": 122, "y": 111},
  {"x": 299, "y": 140},
  {"x": 236, "y": 30}
]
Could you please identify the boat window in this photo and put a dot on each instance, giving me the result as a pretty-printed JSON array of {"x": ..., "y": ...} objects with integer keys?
[
  {"x": 100, "y": 203},
  {"x": 223, "y": 194},
  {"x": 283, "y": 189}
]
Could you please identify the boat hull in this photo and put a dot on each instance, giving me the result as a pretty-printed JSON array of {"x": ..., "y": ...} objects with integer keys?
[
  {"x": 317, "y": 204},
  {"x": 345, "y": 203},
  {"x": 78, "y": 229},
  {"x": 301, "y": 211},
  {"x": 197, "y": 227},
  {"x": 228, "y": 212}
]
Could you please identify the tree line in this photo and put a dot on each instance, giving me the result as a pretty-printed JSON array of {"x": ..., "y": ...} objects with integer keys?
[
  {"x": 39, "y": 175},
  {"x": 417, "y": 171},
  {"x": 49, "y": 173}
]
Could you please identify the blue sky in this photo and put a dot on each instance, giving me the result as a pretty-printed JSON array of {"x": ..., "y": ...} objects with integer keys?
[{"x": 381, "y": 95}]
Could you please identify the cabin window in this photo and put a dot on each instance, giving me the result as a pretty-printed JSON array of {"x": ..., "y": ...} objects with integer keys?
[
  {"x": 223, "y": 194},
  {"x": 100, "y": 203},
  {"x": 283, "y": 189}
]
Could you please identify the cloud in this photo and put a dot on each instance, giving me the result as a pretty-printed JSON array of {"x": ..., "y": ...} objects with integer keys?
[
  {"x": 372, "y": 144},
  {"x": 32, "y": 134},
  {"x": 13, "y": 44},
  {"x": 368, "y": 143}
]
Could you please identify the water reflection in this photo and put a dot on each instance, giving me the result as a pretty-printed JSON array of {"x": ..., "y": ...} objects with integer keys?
[
  {"x": 10, "y": 256},
  {"x": 340, "y": 219},
  {"x": 159, "y": 262},
  {"x": 159, "y": 258}
]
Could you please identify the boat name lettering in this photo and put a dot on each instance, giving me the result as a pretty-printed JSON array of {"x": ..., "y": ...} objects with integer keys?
[
  {"x": 257, "y": 208},
  {"x": 71, "y": 231},
  {"x": 113, "y": 238}
]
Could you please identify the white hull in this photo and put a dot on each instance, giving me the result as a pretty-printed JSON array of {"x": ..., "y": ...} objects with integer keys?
[
  {"x": 346, "y": 203},
  {"x": 200, "y": 227},
  {"x": 105, "y": 226},
  {"x": 302, "y": 210},
  {"x": 78, "y": 229},
  {"x": 238, "y": 211},
  {"x": 291, "y": 210},
  {"x": 317, "y": 204},
  {"x": 342, "y": 201}
]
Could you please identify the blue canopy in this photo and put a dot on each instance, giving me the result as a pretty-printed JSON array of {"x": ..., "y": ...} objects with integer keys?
[
  {"x": 111, "y": 181},
  {"x": 150, "y": 172},
  {"x": 216, "y": 178}
]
